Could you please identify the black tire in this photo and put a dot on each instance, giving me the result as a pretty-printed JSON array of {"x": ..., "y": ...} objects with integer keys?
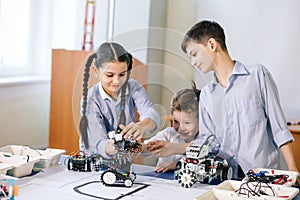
[
  {"x": 226, "y": 174},
  {"x": 132, "y": 176},
  {"x": 178, "y": 165},
  {"x": 207, "y": 164}
]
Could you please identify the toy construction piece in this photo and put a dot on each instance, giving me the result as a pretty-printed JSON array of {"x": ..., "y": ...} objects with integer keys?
[
  {"x": 201, "y": 165},
  {"x": 108, "y": 178},
  {"x": 118, "y": 170},
  {"x": 226, "y": 174},
  {"x": 113, "y": 177},
  {"x": 186, "y": 178}
]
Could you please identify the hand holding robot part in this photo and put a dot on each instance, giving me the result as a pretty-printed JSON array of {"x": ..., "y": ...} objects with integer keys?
[
  {"x": 110, "y": 148},
  {"x": 115, "y": 136},
  {"x": 116, "y": 139},
  {"x": 122, "y": 144},
  {"x": 132, "y": 131}
]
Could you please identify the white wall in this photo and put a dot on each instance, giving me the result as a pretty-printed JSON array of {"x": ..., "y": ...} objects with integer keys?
[
  {"x": 25, "y": 113},
  {"x": 177, "y": 72},
  {"x": 66, "y": 16},
  {"x": 266, "y": 32},
  {"x": 68, "y": 23},
  {"x": 24, "y": 101},
  {"x": 130, "y": 26}
]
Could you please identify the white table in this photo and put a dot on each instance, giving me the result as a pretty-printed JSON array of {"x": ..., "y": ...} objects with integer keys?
[{"x": 59, "y": 183}]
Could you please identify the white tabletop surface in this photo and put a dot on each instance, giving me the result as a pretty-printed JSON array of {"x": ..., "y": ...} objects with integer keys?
[{"x": 59, "y": 183}]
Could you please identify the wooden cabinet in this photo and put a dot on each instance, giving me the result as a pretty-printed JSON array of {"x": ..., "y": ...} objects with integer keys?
[
  {"x": 66, "y": 92},
  {"x": 295, "y": 130}
]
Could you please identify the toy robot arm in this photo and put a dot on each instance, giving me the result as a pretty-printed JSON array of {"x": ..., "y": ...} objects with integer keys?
[
  {"x": 111, "y": 134},
  {"x": 203, "y": 151},
  {"x": 118, "y": 137}
]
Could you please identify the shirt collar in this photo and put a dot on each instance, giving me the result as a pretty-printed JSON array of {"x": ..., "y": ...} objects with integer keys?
[
  {"x": 104, "y": 95},
  {"x": 238, "y": 69}
]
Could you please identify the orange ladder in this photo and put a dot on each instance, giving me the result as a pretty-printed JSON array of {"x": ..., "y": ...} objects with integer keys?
[{"x": 89, "y": 22}]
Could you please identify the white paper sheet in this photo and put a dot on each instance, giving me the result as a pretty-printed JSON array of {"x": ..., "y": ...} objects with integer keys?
[{"x": 59, "y": 183}]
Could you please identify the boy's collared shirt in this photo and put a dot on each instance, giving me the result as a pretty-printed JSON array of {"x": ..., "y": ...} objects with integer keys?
[{"x": 246, "y": 117}]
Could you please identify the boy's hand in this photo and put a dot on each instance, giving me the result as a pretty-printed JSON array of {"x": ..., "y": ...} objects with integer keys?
[
  {"x": 161, "y": 148},
  {"x": 165, "y": 167},
  {"x": 156, "y": 144}
]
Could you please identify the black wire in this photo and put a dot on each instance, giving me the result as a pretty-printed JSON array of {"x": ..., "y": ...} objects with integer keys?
[{"x": 257, "y": 191}]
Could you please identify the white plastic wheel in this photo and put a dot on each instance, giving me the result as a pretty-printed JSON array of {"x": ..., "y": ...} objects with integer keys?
[
  {"x": 128, "y": 183},
  {"x": 186, "y": 178},
  {"x": 108, "y": 177}
]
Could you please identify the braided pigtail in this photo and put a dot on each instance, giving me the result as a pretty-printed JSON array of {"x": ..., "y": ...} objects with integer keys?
[
  {"x": 129, "y": 65},
  {"x": 84, "y": 121},
  {"x": 122, "y": 117}
]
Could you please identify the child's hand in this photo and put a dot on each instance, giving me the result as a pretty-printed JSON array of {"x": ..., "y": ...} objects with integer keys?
[
  {"x": 165, "y": 167},
  {"x": 156, "y": 144},
  {"x": 110, "y": 148},
  {"x": 132, "y": 131},
  {"x": 161, "y": 148},
  {"x": 294, "y": 169},
  {"x": 298, "y": 180}
]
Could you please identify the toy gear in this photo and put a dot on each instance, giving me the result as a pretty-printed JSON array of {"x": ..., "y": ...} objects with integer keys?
[{"x": 186, "y": 178}]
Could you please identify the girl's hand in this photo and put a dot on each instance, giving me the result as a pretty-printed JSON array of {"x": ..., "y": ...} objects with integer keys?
[
  {"x": 110, "y": 148},
  {"x": 132, "y": 131},
  {"x": 165, "y": 167}
]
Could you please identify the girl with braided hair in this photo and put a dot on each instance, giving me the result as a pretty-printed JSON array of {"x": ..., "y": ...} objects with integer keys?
[{"x": 110, "y": 104}]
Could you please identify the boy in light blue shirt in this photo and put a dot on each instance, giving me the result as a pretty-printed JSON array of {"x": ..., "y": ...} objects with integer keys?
[{"x": 240, "y": 105}]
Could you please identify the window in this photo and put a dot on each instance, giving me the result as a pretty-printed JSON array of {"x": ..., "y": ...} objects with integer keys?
[
  {"x": 30, "y": 29},
  {"x": 15, "y": 37}
]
